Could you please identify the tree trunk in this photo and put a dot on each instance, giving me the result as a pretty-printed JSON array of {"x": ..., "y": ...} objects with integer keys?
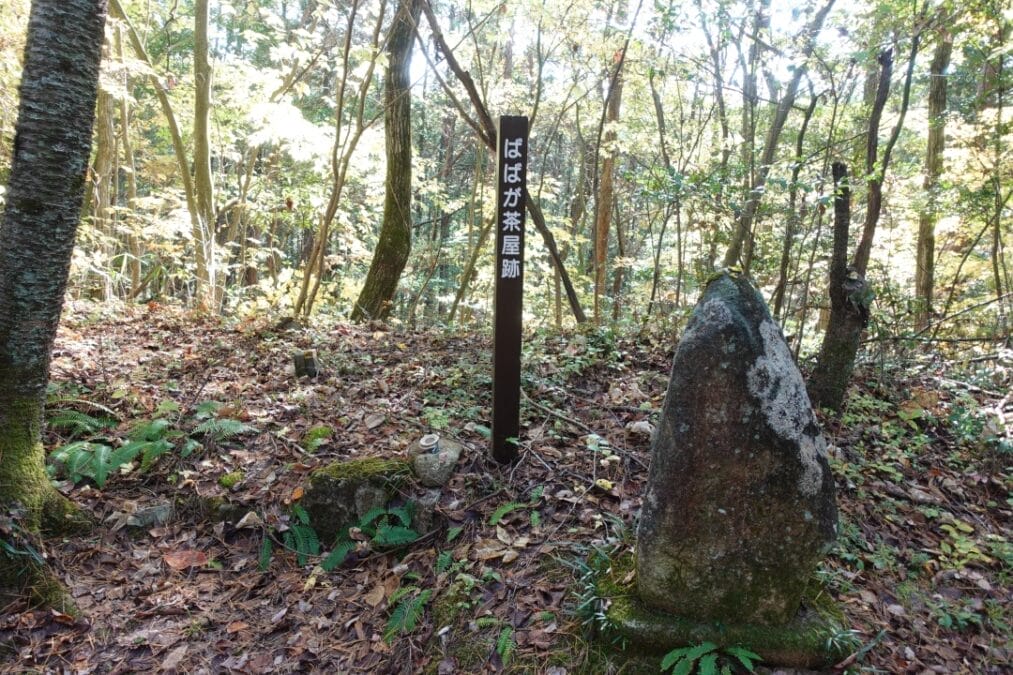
[
  {"x": 377, "y": 296},
  {"x": 99, "y": 193},
  {"x": 791, "y": 226},
  {"x": 925, "y": 270},
  {"x": 849, "y": 309},
  {"x": 44, "y": 197},
  {"x": 603, "y": 203},
  {"x": 486, "y": 131},
  {"x": 342, "y": 151},
  {"x": 208, "y": 294},
  {"x": 133, "y": 241}
]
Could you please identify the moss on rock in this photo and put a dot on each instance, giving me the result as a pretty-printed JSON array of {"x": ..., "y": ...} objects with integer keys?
[
  {"x": 804, "y": 642},
  {"x": 338, "y": 494}
]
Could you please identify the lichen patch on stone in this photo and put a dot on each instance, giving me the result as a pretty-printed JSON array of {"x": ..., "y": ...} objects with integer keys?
[
  {"x": 776, "y": 382},
  {"x": 713, "y": 315}
]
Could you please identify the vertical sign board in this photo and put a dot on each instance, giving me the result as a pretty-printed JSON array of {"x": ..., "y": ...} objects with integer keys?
[{"x": 511, "y": 194}]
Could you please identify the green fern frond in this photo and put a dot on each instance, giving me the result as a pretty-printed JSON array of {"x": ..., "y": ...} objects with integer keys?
[
  {"x": 77, "y": 422},
  {"x": 401, "y": 592},
  {"x": 222, "y": 429},
  {"x": 406, "y": 615},
  {"x": 708, "y": 664},
  {"x": 337, "y": 556},
  {"x": 301, "y": 514},
  {"x": 506, "y": 644},
  {"x": 150, "y": 430},
  {"x": 306, "y": 543},
  {"x": 371, "y": 516},
  {"x": 394, "y": 535},
  {"x": 403, "y": 513},
  {"x": 266, "y": 549},
  {"x": 503, "y": 510}
]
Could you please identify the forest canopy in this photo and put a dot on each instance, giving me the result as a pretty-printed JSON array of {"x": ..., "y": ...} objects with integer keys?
[{"x": 666, "y": 140}]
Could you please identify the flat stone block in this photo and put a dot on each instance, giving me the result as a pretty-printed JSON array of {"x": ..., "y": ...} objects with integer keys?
[{"x": 801, "y": 643}]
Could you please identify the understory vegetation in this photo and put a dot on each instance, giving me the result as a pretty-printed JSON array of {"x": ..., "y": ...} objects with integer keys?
[
  {"x": 305, "y": 180},
  {"x": 204, "y": 557}
]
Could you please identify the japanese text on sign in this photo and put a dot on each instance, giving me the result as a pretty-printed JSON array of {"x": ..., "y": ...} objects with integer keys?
[{"x": 511, "y": 219}]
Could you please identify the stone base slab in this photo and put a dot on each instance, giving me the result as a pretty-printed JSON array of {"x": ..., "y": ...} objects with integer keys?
[{"x": 803, "y": 643}]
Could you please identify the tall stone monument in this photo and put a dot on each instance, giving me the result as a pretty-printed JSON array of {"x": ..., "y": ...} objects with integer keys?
[{"x": 739, "y": 506}]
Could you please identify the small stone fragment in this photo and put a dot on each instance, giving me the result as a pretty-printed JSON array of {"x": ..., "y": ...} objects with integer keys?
[
  {"x": 434, "y": 463},
  {"x": 151, "y": 516},
  {"x": 640, "y": 428}
]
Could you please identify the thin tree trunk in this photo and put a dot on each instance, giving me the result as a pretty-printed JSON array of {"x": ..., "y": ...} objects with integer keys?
[
  {"x": 170, "y": 117},
  {"x": 875, "y": 167},
  {"x": 341, "y": 156},
  {"x": 618, "y": 274},
  {"x": 98, "y": 196},
  {"x": 487, "y": 133},
  {"x": 394, "y": 245},
  {"x": 603, "y": 203},
  {"x": 43, "y": 207},
  {"x": 208, "y": 294},
  {"x": 791, "y": 226},
  {"x": 133, "y": 241},
  {"x": 849, "y": 310},
  {"x": 926, "y": 250},
  {"x": 469, "y": 270}
]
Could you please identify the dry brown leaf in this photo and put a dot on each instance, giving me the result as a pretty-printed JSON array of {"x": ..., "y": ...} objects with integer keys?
[
  {"x": 504, "y": 536},
  {"x": 181, "y": 560},
  {"x": 236, "y": 626},
  {"x": 375, "y": 596},
  {"x": 174, "y": 658},
  {"x": 488, "y": 549}
]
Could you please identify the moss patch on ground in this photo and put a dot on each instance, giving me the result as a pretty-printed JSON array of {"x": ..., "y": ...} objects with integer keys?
[{"x": 231, "y": 479}]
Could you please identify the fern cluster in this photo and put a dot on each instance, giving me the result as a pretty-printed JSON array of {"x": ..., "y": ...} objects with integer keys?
[
  {"x": 97, "y": 457},
  {"x": 411, "y": 603},
  {"x": 385, "y": 528},
  {"x": 706, "y": 659},
  {"x": 301, "y": 537}
]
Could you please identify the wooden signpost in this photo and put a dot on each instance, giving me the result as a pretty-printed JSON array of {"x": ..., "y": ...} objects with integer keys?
[{"x": 511, "y": 194}]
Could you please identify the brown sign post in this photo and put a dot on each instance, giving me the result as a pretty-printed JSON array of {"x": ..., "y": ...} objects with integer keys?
[{"x": 511, "y": 194}]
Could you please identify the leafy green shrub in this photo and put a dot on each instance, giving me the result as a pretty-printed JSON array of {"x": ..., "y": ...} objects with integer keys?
[
  {"x": 98, "y": 457},
  {"x": 383, "y": 528}
]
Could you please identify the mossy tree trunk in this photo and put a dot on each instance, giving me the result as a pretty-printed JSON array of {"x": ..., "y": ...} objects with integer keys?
[
  {"x": 44, "y": 197},
  {"x": 395, "y": 243}
]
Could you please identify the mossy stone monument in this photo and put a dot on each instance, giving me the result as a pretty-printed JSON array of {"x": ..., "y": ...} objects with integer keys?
[{"x": 739, "y": 507}]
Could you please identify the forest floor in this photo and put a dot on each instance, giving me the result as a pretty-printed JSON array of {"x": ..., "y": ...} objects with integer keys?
[{"x": 501, "y": 581}]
